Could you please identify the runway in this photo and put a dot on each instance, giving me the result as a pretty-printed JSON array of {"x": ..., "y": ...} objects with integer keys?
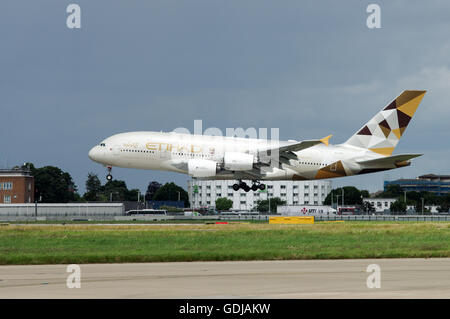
[{"x": 400, "y": 278}]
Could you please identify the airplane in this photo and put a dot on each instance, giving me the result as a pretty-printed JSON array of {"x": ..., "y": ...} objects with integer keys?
[{"x": 369, "y": 150}]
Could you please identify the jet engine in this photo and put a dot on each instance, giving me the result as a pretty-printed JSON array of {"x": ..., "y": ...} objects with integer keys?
[
  {"x": 235, "y": 161},
  {"x": 201, "y": 168}
]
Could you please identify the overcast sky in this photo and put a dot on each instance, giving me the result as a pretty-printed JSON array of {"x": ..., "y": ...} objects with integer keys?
[{"x": 309, "y": 68}]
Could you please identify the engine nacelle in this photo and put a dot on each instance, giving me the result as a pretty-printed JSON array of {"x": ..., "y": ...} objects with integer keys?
[
  {"x": 235, "y": 161},
  {"x": 201, "y": 168}
]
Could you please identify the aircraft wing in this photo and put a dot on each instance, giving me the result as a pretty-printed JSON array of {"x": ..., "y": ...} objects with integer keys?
[
  {"x": 383, "y": 161},
  {"x": 286, "y": 152}
]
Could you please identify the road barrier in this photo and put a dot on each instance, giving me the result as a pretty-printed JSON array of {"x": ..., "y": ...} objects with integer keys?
[{"x": 23, "y": 216}]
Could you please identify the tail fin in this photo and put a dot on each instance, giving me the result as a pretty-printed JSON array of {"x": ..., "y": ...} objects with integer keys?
[{"x": 382, "y": 133}]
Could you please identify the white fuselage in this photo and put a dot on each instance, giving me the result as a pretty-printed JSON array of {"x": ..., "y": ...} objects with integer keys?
[{"x": 174, "y": 152}]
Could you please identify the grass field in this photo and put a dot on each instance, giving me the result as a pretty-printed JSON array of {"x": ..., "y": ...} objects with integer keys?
[{"x": 48, "y": 244}]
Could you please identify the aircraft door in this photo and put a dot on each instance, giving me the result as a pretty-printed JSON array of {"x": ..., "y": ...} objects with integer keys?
[{"x": 116, "y": 150}]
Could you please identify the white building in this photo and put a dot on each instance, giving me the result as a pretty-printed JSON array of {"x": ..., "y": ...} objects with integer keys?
[
  {"x": 293, "y": 192},
  {"x": 380, "y": 204}
]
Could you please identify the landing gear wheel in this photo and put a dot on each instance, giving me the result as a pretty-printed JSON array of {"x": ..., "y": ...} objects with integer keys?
[
  {"x": 262, "y": 186},
  {"x": 236, "y": 187},
  {"x": 109, "y": 176},
  {"x": 246, "y": 188},
  {"x": 254, "y": 187}
]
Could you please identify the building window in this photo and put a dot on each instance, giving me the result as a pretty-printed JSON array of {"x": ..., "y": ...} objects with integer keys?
[
  {"x": 295, "y": 186},
  {"x": 6, "y": 186},
  {"x": 243, "y": 202},
  {"x": 269, "y": 186},
  {"x": 7, "y": 199},
  {"x": 219, "y": 194},
  {"x": 243, "y": 194},
  {"x": 230, "y": 194},
  {"x": 283, "y": 186},
  {"x": 306, "y": 194}
]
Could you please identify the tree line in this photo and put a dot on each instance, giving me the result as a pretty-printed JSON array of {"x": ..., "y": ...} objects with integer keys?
[{"x": 53, "y": 185}]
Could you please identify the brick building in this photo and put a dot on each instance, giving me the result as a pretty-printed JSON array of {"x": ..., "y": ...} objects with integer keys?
[{"x": 16, "y": 186}]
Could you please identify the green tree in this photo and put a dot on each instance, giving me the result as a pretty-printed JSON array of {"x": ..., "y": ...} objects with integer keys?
[
  {"x": 263, "y": 205},
  {"x": 391, "y": 191},
  {"x": 151, "y": 190},
  {"x": 115, "y": 190},
  {"x": 352, "y": 196},
  {"x": 169, "y": 191},
  {"x": 367, "y": 207},
  {"x": 399, "y": 206},
  {"x": 223, "y": 203},
  {"x": 93, "y": 187},
  {"x": 53, "y": 185}
]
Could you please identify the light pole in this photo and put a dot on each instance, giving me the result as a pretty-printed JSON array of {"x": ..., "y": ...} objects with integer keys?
[
  {"x": 111, "y": 195},
  {"x": 331, "y": 198},
  {"x": 342, "y": 196},
  {"x": 362, "y": 201},
  {"x": 422, "y": 205},
  {"x": 337, "y": 203}
]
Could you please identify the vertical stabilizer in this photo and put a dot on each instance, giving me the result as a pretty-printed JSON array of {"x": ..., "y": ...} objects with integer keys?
[{"x": 383, "y": 132}]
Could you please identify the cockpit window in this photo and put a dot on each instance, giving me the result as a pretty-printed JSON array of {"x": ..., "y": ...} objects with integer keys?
[{"x": 102, "y": 144}]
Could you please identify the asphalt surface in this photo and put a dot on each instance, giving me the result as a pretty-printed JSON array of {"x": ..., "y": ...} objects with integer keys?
[{"x": 399, "y": 278}]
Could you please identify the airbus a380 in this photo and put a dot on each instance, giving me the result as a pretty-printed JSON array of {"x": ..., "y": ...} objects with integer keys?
[{"x": 215, "y": 157}]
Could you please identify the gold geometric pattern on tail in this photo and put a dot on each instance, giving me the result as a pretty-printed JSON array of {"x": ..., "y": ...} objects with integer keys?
[{"x": 382, "y": 133}]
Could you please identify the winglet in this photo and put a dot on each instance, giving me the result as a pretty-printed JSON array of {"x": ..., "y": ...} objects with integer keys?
[{"x": 325, "y": 140}]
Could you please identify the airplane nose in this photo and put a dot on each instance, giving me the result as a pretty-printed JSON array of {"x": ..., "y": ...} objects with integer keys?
[{"x": 94, "y": 154}]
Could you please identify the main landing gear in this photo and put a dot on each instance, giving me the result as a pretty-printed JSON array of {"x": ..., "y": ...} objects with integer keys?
[
  {"x": 242, "y": 185},
  {"x": 109, "y": 176}
]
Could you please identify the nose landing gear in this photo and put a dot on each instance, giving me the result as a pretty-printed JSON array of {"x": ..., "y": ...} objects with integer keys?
[
  {"x": 109, "y": 176},
  {"x": 242, "y": 185}
]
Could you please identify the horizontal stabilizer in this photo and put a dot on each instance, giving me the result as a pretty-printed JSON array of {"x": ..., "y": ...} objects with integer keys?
[{"x": 389, "y": 160}]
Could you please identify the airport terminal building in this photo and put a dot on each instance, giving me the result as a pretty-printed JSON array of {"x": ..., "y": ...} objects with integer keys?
[
  {"x": 436, "y": 184},
  {"x": 203, "y": 193}
]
